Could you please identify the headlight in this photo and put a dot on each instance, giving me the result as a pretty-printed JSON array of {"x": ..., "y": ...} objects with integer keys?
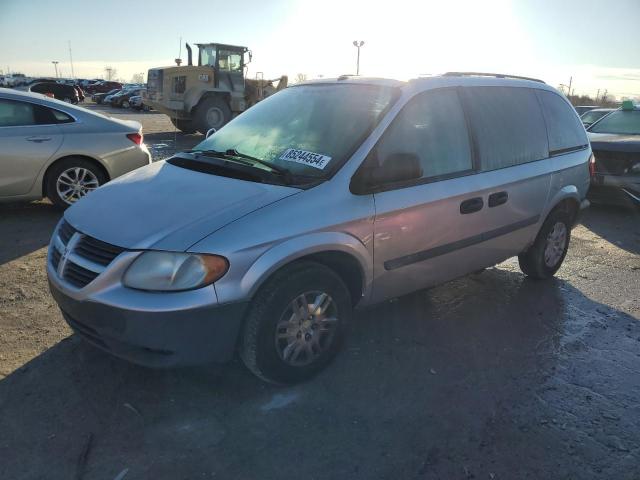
[{"x": 172, "y": 271}]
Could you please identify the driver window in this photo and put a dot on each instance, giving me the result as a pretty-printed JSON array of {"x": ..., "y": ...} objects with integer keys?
[{"x": 432, "y": 127}]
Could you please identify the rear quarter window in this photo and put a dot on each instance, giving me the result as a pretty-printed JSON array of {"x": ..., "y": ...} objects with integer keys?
[
  {"x": 564, "y": 128},
  {"x": 508, "y": 125}
]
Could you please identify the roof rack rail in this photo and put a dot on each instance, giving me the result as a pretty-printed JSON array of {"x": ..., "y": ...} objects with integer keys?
[{"x": 496, "y": 75}]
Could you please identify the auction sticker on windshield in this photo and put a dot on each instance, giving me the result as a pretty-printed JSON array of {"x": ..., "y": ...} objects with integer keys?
[{"x": 311, "y": 159}]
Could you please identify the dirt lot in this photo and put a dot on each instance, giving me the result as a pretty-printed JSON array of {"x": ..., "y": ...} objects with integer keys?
[{"x": 491, "y": 376}]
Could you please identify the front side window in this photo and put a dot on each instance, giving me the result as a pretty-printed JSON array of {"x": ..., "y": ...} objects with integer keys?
[
  {"x": 431, "y": 127},
  {"x": 208, "y": 56},
  {"x": 593, "y": 116},
  {"x": 308, "y": 130},
  {"x": 624, "y": 122},
  {"x": 508, "y": 124},
  {"x": 229, "y": 60},
  {"x": 564, "y": 128}
]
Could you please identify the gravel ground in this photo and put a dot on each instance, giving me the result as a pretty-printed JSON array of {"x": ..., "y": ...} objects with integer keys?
[{"x": 490, "y": 376}]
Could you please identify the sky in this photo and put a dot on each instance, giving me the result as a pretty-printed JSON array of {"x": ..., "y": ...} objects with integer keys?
[{"x": 592, "y": 43}]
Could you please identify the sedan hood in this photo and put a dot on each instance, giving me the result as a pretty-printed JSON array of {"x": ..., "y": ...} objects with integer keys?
[{"x": 165, "y": 207}]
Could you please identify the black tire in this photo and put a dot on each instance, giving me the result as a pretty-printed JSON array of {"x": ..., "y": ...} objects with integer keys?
[
  {"x": 185, "y": 126},
  {"x": 54, "y": 172},
  {"x": 532, "y": 261},
  {"x": 124, "y": 104},
  {"x": 257, "y": 344},
  {"x": 211, "y": 112}
]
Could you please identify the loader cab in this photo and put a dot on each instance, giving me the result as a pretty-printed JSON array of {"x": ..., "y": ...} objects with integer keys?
[{"x": 227, "y": 61}]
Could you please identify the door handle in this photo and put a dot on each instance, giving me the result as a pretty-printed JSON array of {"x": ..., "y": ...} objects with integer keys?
[
  {"x": 498, "y": 198},
  {"x": 38, "y": 139},
  {"x": 472, "y": 205}
]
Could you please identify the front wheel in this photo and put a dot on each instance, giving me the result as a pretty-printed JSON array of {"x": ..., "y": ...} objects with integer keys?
[
  {"x": 296, "y": 323},
  {"x": 544, "y": 258},
  {"x": 211, "y": 112},
  {"x": 125, "y": 104}
]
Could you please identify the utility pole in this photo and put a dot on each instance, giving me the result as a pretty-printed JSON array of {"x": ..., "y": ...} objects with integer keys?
[
  {"x": 55, "y": 65},
  {"x": 73, "y": 75},
  {"x": 570, "y": 80},
  {"x": 358, "y": 44}
]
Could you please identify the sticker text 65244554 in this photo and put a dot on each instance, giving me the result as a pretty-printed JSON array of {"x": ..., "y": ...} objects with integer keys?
[{"x": 315, "y": 160}]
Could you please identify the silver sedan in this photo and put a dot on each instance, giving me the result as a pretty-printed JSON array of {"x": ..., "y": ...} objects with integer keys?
[{"x": 56, "y": 150}]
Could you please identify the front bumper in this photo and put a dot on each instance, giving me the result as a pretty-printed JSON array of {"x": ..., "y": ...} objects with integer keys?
[
  {"x": 150, "y": 329},
  {"x": 621, "y": 190}
]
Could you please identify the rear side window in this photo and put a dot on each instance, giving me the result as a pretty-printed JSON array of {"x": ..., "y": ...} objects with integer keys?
[
  {"x": 508, "y": 125},
  {"x": 564, "y": 128},
  {"x": 432, "y": 126},
  {"x": 14, "y": 113}
]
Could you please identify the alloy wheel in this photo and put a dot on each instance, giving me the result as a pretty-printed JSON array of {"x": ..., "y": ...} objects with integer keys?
[{"x": 74, "y": 183}]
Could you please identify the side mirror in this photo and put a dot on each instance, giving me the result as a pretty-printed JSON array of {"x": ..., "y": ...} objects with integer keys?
[
  {"x": 210, "y": 132},
  {"x": 396, "y": 167}
]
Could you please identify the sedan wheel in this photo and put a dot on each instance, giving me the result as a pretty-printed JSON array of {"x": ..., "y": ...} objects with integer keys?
[
  {"x": 124, "y": 104},
  {"x": 74, "y": 183}
]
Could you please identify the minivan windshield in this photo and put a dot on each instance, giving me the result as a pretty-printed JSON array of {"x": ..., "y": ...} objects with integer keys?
[{"x": 307, "y": 130}]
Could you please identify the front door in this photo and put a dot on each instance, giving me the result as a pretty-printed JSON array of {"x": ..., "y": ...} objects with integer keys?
[{"x": 420, "y": 227}]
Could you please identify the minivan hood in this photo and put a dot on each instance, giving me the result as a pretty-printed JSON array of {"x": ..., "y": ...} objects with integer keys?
[{"x": 165, "y": 207}]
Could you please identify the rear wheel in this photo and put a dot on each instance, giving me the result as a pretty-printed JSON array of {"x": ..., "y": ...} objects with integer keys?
[
  {"x": 211, "y": 112},
  {"x": 296, "y": 323},
  {"x": 71, "y": 179},
  {"x": 125, "y": 104},
  {"x": 547, "y": 253},
  {"x": 185, "y": 126}
]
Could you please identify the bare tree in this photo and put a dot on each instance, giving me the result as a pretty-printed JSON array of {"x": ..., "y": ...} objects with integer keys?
[
  {"x": 301, "y": 77},
  {"x": 137, "y": 78}
]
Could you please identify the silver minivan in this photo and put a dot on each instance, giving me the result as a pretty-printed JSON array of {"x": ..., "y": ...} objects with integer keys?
[{"x": 327, "y": 196}]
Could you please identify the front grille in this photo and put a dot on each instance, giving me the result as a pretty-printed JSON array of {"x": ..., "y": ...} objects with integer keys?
[
  {"x": 97, "y": 251},
  {"x": 78, "y": 276},
  {"x": 79, "y": 258},
  {"x": 615, "y": 163}
]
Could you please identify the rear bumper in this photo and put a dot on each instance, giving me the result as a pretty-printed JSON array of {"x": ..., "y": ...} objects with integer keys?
[
  {"x": 621, "y": 190},
  {"x": 152, "y": 335}
]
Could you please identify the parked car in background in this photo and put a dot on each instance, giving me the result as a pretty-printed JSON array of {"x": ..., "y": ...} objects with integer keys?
[
  {"x": 592, "y": 116},
  {"x": 582, "y": 109},
  {"x": 121, "y": 99},
  {"x": 101, "y": 87},
  {"x": 99, "y": 97},
  {"x": 615, "y": 140},
  {"x": 394, "y": 187},
  {"x": 60, "y": 91},
  {"x": 53, "y": 149},
  {"x": 80, "y": 93},
  {"x": 137, "y": 103}
]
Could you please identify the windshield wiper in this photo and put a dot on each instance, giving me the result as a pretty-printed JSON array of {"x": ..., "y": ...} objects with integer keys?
[{"x": 232, "y": 153}]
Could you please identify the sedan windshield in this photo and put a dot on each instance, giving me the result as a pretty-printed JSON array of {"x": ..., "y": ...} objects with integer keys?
[
  {"x": 593, "y": 115},
  {"x": 308, "y": 130},
  {"x": 624, "y": 122}
]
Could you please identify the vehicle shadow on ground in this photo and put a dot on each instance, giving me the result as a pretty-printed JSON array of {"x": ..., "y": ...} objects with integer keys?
[
  {"x": 25, "y": 228},
  {"x": 489, "y": 374},
  {"x": 164, "y": 144},
  {"x": 618, "y": 225}
]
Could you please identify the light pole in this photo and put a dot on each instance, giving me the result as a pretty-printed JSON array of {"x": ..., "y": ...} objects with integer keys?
[
  {"x": 55, "y": 64},
  {"x": 358, "y": 44}
]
